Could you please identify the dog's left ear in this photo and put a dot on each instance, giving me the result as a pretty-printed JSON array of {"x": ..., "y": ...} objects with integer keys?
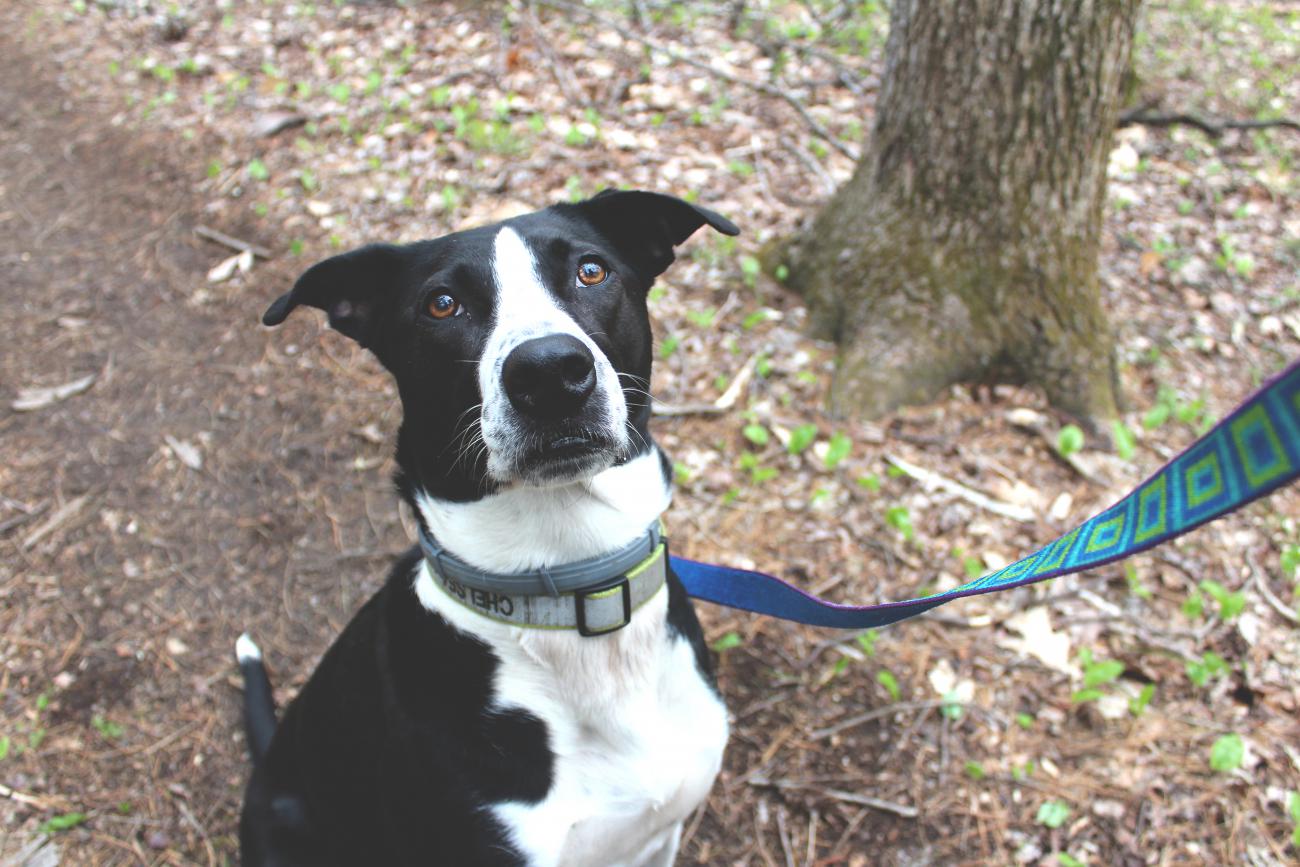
[
  {"x": 348, "y": 287},
  {"x": 647, "y": 226}
]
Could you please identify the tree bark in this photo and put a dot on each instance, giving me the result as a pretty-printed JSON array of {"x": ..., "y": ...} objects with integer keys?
[{"x": 964, "y": 247}]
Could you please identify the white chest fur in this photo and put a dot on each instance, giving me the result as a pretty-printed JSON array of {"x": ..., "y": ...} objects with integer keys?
[{"x": 637, "y": 735}]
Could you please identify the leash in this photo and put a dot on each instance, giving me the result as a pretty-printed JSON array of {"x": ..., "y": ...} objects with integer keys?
[{"x": 1249, "y": 454}]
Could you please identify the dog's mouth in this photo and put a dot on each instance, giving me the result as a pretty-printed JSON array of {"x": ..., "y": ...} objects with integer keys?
[{"x": 560, "y": 457}]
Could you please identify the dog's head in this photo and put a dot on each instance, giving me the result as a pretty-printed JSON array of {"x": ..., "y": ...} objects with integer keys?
[{"x": 522, "y": 349}]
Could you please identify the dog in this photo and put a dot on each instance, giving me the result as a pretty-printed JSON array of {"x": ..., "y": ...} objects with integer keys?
[{"x": 531, "y": 685}]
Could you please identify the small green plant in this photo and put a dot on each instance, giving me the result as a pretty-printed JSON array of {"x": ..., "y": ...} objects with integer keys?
[
  {"x": 756, "y": 434},
  {"x": 1025, "y": 720},
  {"x": 5, "y": 743},
  {"x": 1230, "y": 603},
  {"x": 702, "y": 318},
  {"x": 1135, "y": 585},
  {"x": 107, "y": 728},
  {"x": 1125, "y": 441},
  {"x": 1209, "y": 667},
  {"x": 867, "y": 641},
  {"x": 901, "y": 520},
  {"x": 1052, "y": 814},
  {"x": 886, "y": 678},
  {"x": 340, "y": 92},
  {"x": 871, "y": 482},
  {"x": 1065, "y": 859},
  {"x": 669, "y": 346},
  {"x": 973, "y": 567},
  {"x": 975, "y": 771},
  {"x": 1069, "y": 440},
  {"x": 1138, "y": 704},
  {"x": 1194, "y": 605},
  {"x": 727, "y": 642},
  {"x": 1227, "y": 753},
  {"x": 63, "y": 822},
  {"x": 801, "y": 437},
  {"x": 257, "y": 170},
  {"x": 1096, "y": 674},
  {"x": 758, "y": 317},
  {"x": 837, "y": 449},
  {"x": 750, "y": 268},
  {"x": 1293, "y": 810}
]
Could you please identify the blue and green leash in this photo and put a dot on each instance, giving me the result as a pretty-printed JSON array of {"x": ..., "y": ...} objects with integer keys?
[{"x": 1249, "y": 454}]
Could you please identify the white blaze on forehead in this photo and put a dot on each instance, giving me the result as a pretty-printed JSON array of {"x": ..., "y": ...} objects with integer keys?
[{"x": 525, "y": 309}]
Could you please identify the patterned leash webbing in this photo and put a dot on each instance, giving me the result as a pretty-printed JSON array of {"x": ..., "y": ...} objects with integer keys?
[{"x": 1249, "y": 454}]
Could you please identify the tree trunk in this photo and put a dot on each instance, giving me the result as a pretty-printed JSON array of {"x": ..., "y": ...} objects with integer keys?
[{"x": 964, "y": 248}]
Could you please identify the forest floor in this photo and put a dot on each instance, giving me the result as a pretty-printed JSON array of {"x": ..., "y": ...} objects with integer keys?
[{"x": 201, "y": 475}]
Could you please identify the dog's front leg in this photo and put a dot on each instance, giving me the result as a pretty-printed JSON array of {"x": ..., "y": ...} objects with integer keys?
[{"x": 667, "y": 853}]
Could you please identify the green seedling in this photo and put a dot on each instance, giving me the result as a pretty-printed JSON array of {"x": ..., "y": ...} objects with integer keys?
[
  {"x": 952, "y": 706},
  {"x": 669, "y": 346},
  {"x": 1065, "y": 859},
  {"x": 257, "y": 170},
  {"x": 1135, "y": 585},
  {"x": 1052, "y": 814},
  {"x": 727, "y": 642},
  {"x": 975, "y": 771},
  {"x": 871, "y": 482},
  {"x": 1069, "y": 440},
  {"x": 867, "y": 641},
  {"x": 702, "y": 318},
  {"x": 1209, "y": 667},
  {"x": 886, "y": 679},
  {"x": 750, "y": 268},
  {"x": 1125, "y": 441},
  {"x": 62, "y": 822},
  {"x": 1096, "y": 674},
  {"x": 1025, "y": 721},
  {"x": 1293, "y": 810},
  {"x": 899, "y": 518},
  {"x": 1139, "y": 703},
  {"x": 801, "y": 437},
  {"x": 1230, "y": 603},
  {"x": 1227, "y": 753},
  {"x": 107, "y": 728},
  {"x": 837, "y": 449},
  {"x": 756, "y": 434},
  {"x": 758, "y": 317}
]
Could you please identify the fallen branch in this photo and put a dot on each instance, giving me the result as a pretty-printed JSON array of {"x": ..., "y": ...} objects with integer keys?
[
  {"x": 897, "y": 809},
  {"x": 1213, "y": 129},
  {"x": 933, "y": 480},
  {"x": 676, "y": 56},
  {"x": 210, "y": 234}
]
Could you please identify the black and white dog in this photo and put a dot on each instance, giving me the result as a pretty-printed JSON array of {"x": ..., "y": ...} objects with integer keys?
[{"x": 531, "y": 686}]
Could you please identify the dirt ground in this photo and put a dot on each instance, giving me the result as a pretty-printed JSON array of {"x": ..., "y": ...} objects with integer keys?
[{"x": 216, "y": 477}]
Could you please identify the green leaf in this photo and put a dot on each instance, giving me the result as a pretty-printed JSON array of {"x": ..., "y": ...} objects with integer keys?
[
  {"x": 973, "y": 566},
  {"x": 756, "y": 434},
  {"x": 5, "y": 743},
  {"x": 1125, "y": 441},
  {"x": 669, "y": 345},
  {"x": 727, "y": 642},
  {"x": 1099, "y": 673},
  {"x": 1138, "y": 704},
  {"x": 1156, "y": 416},
  {"x": 1024, "y": 720},
  {"x": 1052, "y": 814},
  {"x": 750, "y": 268},
  {"x": 1194, "y": 605},
  {"x": 702, "y": 318},
  {"x": 758, "y": 317},
  {"x": 870, "y": 481},
  {"x": 801, "y": 437},
  {"x": 867, "y": 641},
  {"x": 1290, "y": 561},
  {"x": 1085, "y": 695},
  {"x": 975, "y": 771},
  {"x": 782, "y": 273},
  {"x": 1227, "y": 753},
  {"x": 62, "y": 823},
  {"x": 107, "y": 728},
  {"x": 257, "y": 170},
  {"x": 886, "y": 678},
  {"x": 837, "y": 449},
  {"x": 952, "y": 706},
  {"x": 1069, "y": 440},
  {"x": 763, "y": 474},
  {"x": 1065, "y": 859},
  {"x": 1210, "y": 666},
  {"x": 1230, "y": 604},
  {"x": 898, "y": 518}
]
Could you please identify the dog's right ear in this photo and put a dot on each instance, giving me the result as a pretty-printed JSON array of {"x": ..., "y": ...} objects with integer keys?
[{"x": 348, "y": 287}]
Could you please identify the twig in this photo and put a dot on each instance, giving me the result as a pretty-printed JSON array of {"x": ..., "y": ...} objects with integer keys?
[
  {"x": 1213, "y": 129},
  {"x": 888, "y": 710},
  {"x": 931, "y": 479},
  {"x": 41, "y": 802},
  {"x": 62, "y": 515},
  {"x": 903, "y": 810},
  {"x": 760, "y": 86},
  {"x": 1261, "y": 583},
  {"x": 210, "y": 234}
]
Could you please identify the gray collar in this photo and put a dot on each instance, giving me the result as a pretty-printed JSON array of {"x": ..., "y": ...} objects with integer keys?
[{"x": 594, "y": 596}]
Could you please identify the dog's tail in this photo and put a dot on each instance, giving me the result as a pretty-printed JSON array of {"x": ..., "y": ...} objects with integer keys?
[{"x": 259, "y": 704}]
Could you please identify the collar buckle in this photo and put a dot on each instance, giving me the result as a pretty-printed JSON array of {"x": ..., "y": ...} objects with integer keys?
[{"x": 612, "y": 598}]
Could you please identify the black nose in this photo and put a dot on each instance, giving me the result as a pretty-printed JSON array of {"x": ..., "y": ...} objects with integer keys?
[{"x": 549, "y": 377}]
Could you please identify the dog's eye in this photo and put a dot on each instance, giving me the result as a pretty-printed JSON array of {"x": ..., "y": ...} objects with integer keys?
[
  {"x": 443, "y": 306},
  {"x": 592, "y": 272}
]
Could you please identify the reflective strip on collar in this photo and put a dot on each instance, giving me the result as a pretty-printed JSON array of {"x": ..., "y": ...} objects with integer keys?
[{"x": 604, "y": 604}]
